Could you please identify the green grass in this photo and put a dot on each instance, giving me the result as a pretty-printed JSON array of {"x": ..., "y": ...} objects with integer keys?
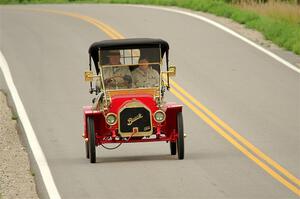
[
  {"x": 282, "y": 32},
  {"x": 14, "y": 116}
]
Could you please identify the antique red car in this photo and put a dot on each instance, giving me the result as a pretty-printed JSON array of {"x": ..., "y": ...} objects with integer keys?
[{"x": 129, "y": 82}]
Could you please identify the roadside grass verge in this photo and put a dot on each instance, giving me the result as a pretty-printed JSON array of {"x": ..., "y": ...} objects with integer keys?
[
  {"x": 275, "y": 21},
  {"x": 289, "y": 12}
]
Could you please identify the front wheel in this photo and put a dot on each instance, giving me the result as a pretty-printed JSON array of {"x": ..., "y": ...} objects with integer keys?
[
  {"x": 180, "y": 139},
  {"x": 173, "y": 148},
  {"x": 91, "y": 141}
]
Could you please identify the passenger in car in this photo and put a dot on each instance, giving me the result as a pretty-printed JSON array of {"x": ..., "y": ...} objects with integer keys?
[
  {"x": 116, "y": 76},
  {"x": 145, "y": 75}
]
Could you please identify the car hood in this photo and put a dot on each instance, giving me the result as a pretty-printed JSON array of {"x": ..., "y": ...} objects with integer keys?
[{"x": 120, "y": 101}]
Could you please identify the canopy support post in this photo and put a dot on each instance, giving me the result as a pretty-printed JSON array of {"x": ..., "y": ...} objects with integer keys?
[{"x": 90, "y": 66}]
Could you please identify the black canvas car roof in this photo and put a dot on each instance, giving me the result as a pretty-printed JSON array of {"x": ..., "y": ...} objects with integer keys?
[{"x": 127, "y": 44}]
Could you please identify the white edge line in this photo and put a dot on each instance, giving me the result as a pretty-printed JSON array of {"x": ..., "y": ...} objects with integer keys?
[
  {"x": 276, "y": 57},
  {"x": 30, "y": 134}
]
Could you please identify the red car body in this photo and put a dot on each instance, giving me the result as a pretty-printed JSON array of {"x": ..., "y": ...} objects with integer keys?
[
  {"x": 134, "y": 113},
  {"x": 165, "y": 131}
]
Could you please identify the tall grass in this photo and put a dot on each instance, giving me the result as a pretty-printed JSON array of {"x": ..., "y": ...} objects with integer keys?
[
  {"x": 279, "y": 21},
  {"x": 282, "y": 10}
]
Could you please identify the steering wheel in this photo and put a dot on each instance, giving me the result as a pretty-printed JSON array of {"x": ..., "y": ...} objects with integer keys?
[{"x": 116, "y": 81}]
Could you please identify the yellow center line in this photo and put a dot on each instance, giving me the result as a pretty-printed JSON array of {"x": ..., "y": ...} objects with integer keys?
[
  {"x": 109, "y": 31},
  {"x": 235, "y": 143},
  {"x": 211, "y": 122},
  {"x": 236, "y": 134}
]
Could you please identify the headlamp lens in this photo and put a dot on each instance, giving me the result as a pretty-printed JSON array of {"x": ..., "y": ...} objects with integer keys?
[
  {"x": 159, "y": 116},
  {"x": 111, "y": 119}
]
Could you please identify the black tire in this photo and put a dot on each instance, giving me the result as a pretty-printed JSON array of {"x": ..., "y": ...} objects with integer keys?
[
  {"x": 87, "y": 149},
  {"x": 173, "y": 148},
  {"x": 91, "y": 144},
  {"x": 180, "y": 140}
]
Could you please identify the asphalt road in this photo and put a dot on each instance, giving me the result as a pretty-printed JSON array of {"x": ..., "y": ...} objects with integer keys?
[{"x": 253, "y": 93}]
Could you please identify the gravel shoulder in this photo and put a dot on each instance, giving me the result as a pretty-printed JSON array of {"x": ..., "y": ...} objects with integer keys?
[{"x": 16, "y": 178}]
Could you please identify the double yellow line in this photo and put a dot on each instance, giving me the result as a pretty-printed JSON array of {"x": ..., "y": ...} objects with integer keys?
[{"x": 232, "y": 136}]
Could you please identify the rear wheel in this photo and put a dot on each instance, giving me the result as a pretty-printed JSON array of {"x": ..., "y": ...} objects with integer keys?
[
  {"x": 91, "y": 141},
  {"x": 180, "y": 140},
  {"x": 173, "y": 148}
]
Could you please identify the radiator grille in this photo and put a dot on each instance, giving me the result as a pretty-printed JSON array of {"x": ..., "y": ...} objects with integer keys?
[{"x": 135, "y": 119}]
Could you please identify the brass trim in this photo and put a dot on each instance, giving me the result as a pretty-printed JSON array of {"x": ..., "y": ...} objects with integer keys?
[
  {"x": 123, "y": 65},
  {"x": 172, "y": 71},
  {"x": 130, "y": 120},
  {"x": 135, "y": 104},
  {"x": 151, "y": 90},
  {"x": 88, "y": 76}
]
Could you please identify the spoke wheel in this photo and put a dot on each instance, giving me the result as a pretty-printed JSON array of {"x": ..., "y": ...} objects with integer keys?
[
  {"x": 180, "y": 140},
  {"x": 173, "y": 148},
  {"x": 91, "y": 142}
]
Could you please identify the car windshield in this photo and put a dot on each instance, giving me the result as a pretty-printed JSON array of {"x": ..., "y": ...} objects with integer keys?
[{"x": 130, "y": 68}]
